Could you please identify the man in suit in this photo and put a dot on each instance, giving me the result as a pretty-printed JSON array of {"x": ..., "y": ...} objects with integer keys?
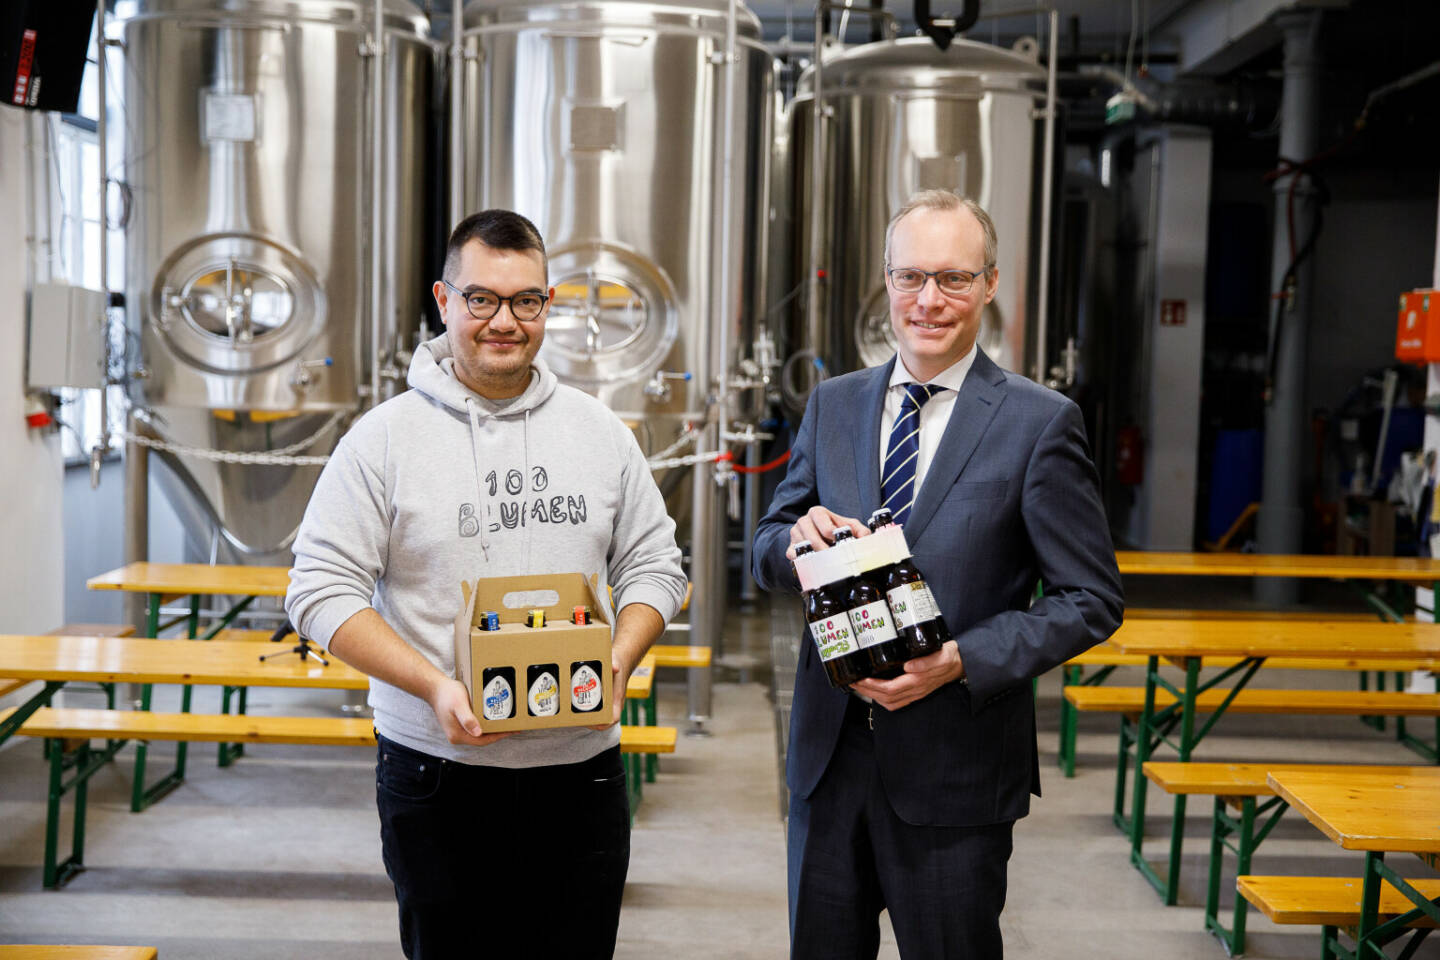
[{"x": 904, "y": 792}]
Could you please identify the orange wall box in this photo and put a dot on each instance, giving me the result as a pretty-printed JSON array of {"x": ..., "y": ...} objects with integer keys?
[{"x": 1417, "y": 332}]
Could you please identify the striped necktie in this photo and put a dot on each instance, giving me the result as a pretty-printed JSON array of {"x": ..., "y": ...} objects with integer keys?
[{"x": 897, "y": 475}]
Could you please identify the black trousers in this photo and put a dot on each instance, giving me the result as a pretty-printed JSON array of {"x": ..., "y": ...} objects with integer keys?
[
  {"x": 493, "y": 862},
  {"x": 851, "y": 857}
]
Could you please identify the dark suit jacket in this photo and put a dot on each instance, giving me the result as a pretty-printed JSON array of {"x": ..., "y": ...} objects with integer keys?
[{"x": 1011, "y": 498}]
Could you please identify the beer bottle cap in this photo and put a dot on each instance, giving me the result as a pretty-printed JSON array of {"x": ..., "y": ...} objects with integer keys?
[
  {"x": 843, "y": 533},
  {"x": 804, "y": 547},
  {"x": 880, "y": 518}
]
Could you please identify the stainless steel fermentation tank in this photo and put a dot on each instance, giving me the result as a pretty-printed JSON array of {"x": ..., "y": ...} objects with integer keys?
[
  {"x": 248, "y": 150},
  {"x": 902, "y": 116},
  {"x": 613, "y": 127}
]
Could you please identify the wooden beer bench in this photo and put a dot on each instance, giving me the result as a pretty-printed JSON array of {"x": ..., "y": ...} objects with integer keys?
[
  {"x": 1104, "y": 659},
  {"x": 67, "y": 734},
  {"x": 1129, "y": 702},
  {"x": 1243, "y": 787},
  {"x": 56, "y": 951},
  {"x": 1331, "y": 902}
]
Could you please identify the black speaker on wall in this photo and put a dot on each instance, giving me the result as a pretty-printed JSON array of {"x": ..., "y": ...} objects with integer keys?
[{"x": 42, "y": 52}]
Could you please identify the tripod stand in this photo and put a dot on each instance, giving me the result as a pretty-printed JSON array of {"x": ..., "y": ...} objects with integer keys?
[{"x": 303, "y": 647}]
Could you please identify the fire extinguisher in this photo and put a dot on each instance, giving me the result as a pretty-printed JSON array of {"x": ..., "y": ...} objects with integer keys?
[{"x": 1129, "y": 456}]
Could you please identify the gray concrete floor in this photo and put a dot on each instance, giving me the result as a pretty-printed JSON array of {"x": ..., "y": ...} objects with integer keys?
[{"x": 279, "y": 856}]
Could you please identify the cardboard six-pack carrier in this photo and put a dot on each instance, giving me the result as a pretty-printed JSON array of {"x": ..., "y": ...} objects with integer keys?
[{"x": 519, "y": 647}]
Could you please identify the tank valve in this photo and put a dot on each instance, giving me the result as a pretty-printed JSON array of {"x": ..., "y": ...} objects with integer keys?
[
  {"x": 302, "y": 378},
  {"x": 658, "y": 387}
]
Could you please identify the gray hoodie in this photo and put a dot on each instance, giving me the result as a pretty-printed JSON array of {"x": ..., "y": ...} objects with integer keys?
[{"x": 439, "y": 485}]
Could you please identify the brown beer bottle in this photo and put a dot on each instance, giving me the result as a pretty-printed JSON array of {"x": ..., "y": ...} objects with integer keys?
[
  {"x": 840, "y": 655},
  {"x": 874, "y": 626},
  {"x": 917, "y": 615}
]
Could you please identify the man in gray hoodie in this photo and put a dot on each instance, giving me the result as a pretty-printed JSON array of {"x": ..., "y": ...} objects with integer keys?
[{"x": 486, "y": 468}]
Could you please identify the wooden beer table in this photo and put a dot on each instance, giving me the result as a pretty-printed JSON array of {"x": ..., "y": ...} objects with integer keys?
[
  {"x": 1379, "y": 815},
  {"x": 162, "y": 581},
  {"x": 60, "y": 660},
  {"x": 1184, "y": 643},
  {"x": 1354, "y": 570}
]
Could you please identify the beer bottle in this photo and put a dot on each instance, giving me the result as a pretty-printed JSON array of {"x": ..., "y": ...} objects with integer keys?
[
  {"x": 825, "y": 613},
  {"x": 880, "y": 518},
  {"x": 917, "y": 615},
  {"x": 586, "y": 690},
  {"x": 497, "y": 693},
  {"x": 874, "y": 628},
  {"x": 544, "y": 696}
]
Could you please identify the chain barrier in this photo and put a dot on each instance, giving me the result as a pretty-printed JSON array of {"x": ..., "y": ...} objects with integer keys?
[
  {"x": 686, "y": 438},
  {"x": 689, "y": 461},
  {"x": 270, "y": 458}
]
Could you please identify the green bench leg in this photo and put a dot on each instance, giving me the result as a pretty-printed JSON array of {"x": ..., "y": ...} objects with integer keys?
[
  {"x": 84, "y": 762},
  {"x": 1068, "y": 717},
  {"x": 1122, "y": 764},
  {"x": 229, "y": 751},
  {"x": 142, "y": 796},
  {"x": 652, "y": 760},
  {"x": 1221, "y": 827}
]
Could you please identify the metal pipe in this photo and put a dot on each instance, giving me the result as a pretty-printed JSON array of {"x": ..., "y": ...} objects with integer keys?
[
  {"x": 1281, "y": 518},
  {"x": 457, "y": 90},
  {"x": 377, "y": 198},
  {"x": 727, "y": 216},
  {"x": 1047, "y": 201},
  {"x": 97, "y": 455},
  {"x": 707, "y": 527},
  {"x": 814, "y": 309},
  {"x": 137, "y": 513}
]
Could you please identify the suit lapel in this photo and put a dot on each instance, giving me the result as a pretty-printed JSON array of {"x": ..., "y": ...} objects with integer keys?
[
  {"x": 975, "y": 407},
  {"x": 866, "y": 438}
]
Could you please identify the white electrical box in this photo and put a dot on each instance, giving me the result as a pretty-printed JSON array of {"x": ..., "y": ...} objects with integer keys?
[{"x": 67, "y": 329}]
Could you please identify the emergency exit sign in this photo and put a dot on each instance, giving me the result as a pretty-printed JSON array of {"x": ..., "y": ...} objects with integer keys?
[{"x": 1172, "y": 313}]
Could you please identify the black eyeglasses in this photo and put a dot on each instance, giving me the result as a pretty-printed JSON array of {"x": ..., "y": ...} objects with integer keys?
[
  {"x": 955, "y": 283},
  {"x": 484, "y": 304}
]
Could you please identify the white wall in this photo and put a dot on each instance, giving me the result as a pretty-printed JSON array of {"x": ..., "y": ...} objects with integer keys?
[{"x": 32, "y": 552}]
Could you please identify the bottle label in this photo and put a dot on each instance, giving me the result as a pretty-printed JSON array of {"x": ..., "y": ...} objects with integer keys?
[
  {"x": 872, "y": 623},
  {"x": 499, "y": 702},
  {"x": 585, "y": 689},
  {"x": 912, "y": 604},
  {"x": 544, "y": 696},
  {"x": 833, "y": 637}
]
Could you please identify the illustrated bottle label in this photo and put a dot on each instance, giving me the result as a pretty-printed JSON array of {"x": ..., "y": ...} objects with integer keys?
[
  {"x": 544, "y": 696},
  {"x": 585, "y": 690},
  {"x": 833, "y": 637},
  {"x": 499, "y": 699},
  {"x": 871, "y": 623},
  {"x": 912, "y": 604}
]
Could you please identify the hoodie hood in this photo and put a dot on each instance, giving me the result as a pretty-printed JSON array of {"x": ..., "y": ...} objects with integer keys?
[{"x": 432, "y": 372}]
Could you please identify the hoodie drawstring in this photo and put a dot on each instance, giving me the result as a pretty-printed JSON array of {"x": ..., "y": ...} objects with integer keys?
[
  {"x": 525, "y": 439},
  {"x": 481, "y": 504}
]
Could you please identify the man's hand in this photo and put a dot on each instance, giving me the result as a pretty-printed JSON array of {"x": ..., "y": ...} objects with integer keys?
[
  {"x": 451, "y": 703},
  {"x": 922, "y": 677},
  {"x": 818, "y": 527},
  {"x": 620, "y": 672}
]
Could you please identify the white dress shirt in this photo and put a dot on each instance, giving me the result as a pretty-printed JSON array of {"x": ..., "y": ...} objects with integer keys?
[{"x": 934, "y": 416}]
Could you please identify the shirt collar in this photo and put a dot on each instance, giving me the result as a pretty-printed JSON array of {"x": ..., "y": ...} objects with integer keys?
[{"x": 952, "y": 377}]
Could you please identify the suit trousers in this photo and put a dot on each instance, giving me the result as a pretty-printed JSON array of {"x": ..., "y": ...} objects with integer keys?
[
  {"x": 489, "y": 861},
  {"x": 851, "y": 856}
]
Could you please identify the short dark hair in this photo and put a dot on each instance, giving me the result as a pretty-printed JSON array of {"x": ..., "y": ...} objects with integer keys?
[{"x": 498, "y": 229}]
